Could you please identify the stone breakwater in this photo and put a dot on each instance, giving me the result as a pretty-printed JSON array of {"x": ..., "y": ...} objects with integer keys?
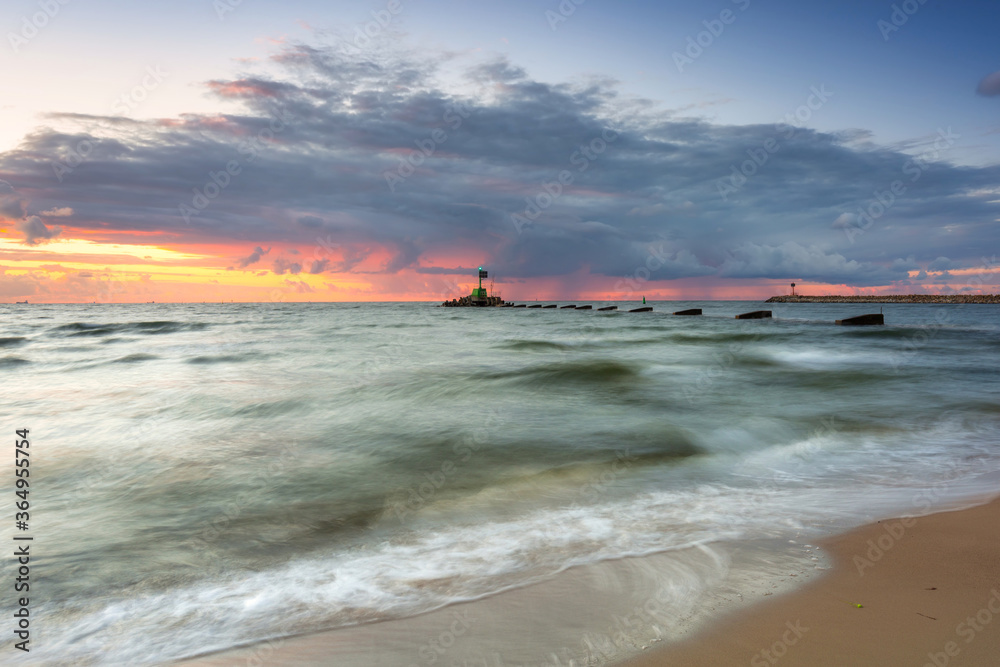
[
  {"x": 467, "y": 301},
  {"x": 891, "y": 298}
]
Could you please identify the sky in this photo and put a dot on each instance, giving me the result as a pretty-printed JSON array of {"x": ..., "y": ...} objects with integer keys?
[{"x": 242, "y": 150}]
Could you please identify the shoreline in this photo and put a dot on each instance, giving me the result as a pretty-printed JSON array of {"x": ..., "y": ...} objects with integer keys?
[
  {"x": 594, "y": 614},
  {"x": 929, "y": 590},
  {"x": 891, "y": 298},
  {"x": 920, "y": 579}
]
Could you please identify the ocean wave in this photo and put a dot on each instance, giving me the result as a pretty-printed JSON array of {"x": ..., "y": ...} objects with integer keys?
[
  {"x": 12, "y": 361},
  {"x": 135, "y": 358},
  {"x": 536, "y": 345},
  {"x": 714, "y": 338},
  {"x": 13, "y": 341},
  {"x": 145, "y": 328},
  {"x": 596, "y": 371},
  {"x": 223, "y": 358}
]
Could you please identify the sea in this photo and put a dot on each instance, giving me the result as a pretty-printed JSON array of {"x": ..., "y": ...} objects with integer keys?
[{"x": 211, "y": 476}]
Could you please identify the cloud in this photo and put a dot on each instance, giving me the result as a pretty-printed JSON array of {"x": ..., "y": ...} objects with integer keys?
[
  {"x": 310, "y": 221},
  {"x": 648, "y": 210},
  {"x": 35, "y": 231},
  {"x": 252, "y": 258},
  {"x": 12, "y": 208},
  {"x": 791, "y": 260},
  {"x": 281, "y": 265},
  {"x": 300, "y": 286},
  {"x": 990, "y": 85},
  {"x": 845, "y": 221},
  {"x": 63, "y": 212},
  {"x": 941, "y": 264},
  {"x": 470, "y": 161}
]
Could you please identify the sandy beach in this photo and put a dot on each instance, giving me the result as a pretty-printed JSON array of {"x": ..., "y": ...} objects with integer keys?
[{"x": 919, "y": 591}]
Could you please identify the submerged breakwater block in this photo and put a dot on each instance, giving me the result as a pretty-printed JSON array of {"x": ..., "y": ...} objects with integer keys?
[
  {"x": 875, "y": 318},
  {"x": 689, "y": 311},
  {"x": 584, "y": 307},
  {"x": 609, "y": 308},
  {"x": 537, "y": 305},
  {"x": 521, "y": 305},
  {"x": 552, "y": 305},
  {"x": 565, "y": 307},
  {"x": 647, "y": 309},
  {"x": 755, "y": 315}
]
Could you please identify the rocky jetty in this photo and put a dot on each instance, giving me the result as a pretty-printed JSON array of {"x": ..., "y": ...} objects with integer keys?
[
  {"x": 473, "y": 301},
  {"x": 891, "y": 298}
]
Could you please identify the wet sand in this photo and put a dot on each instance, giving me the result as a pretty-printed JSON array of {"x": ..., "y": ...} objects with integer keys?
[
  {"x": 593, "y": 614},
  {"x": 928, "y": 590}
]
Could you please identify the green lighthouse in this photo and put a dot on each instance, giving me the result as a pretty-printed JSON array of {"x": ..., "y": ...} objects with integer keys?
[
  {"x": 479, "y": 293},
  {"x": 479, "y": 296}
]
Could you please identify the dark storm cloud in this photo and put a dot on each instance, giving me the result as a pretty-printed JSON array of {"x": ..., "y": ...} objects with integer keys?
[
  {"x": 281, "y": 265},
  {"x": 344, "y": 155},
  {"x": 252, "y": 258},
  {"x": 35, "y": 231}
]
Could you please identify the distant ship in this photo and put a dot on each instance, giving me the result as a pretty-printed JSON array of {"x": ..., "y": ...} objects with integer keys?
[{"x": 25, "y": 301}]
